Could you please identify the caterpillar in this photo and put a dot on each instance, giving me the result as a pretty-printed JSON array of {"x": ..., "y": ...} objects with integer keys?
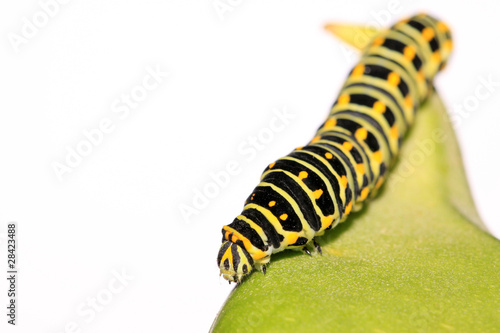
[{"x": 315, "y": 187}]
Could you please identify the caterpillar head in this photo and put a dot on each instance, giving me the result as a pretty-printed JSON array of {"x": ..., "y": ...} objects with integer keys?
[{"x": 234, "y": 261}]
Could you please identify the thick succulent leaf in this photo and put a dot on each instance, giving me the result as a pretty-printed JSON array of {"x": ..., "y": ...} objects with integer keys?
[{"x": 415, "y": 259}]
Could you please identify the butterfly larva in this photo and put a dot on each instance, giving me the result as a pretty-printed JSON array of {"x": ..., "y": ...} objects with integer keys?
[{"x": 315, "y": 187}]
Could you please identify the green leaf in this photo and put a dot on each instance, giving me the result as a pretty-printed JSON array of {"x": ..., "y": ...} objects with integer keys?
[{"x": 415, "y": 259}]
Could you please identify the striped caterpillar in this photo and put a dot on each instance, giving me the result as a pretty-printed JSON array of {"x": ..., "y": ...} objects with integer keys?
[{"x": 316, "y": 186}]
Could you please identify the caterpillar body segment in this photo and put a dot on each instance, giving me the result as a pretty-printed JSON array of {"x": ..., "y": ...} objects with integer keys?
[{"x": 317, "y": 186}]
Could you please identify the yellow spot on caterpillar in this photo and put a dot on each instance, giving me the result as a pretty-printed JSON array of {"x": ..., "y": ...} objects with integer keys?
[
  {"x": 378, "y": 41},
  {"x": 343, "y": 99},
  {"x": 328, "y": 155},
  {"x": 272, "y": 203},
  {"x": 331, "y": 123},
  {"x": 303, "y": 174},
  {"x": 343, "y": 181},
  {"x": 364, "y": 193},
  {"x": 318, "y": 193},
  {"x": 316, "y": 139},
  {"x": 448, "y": 45},
  {"x": 379, "y": 107},
  {"x": 283, "y": 217},
  {"x": 360, "y": 167},
  {"x": 234, "y": 236},
  {"x": 358, "y": 70},
  {"x": 292, "y": 238},
  {"x": 377, "y": 156},
  {"x": 442, "y": 27},
  {"x": 409, "y": 52},
  {"x": 258, "y": 255},
  {"x": 421, "y": 75},
  {"x": 272, "y": 165},
  {"x": 428, "y": 34},
  {"x": 326, "y": 222},
  {"x": 299, "y": 148},
  {"x": 408, "y": 101},
  {"x": 253, "y": 195},
  {"x": 436, "y": 56},
  {"x": 361, "y": 134},
  {"x": 394, "y": 132},
  {"x": 347, "y": 145},
  {"x": 393, "y": 79},
  {"x": 228, "y": 255},
  {"x": 348, "y": 208}
]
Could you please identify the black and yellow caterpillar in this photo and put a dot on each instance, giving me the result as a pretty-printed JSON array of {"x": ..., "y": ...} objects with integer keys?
[{"x": 315, "y": 187}]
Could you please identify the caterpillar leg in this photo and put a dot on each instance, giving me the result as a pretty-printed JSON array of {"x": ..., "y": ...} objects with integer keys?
[
  {"x": 317, "y": 246},
  {"x": 261, "y": 267},
  {"x": 306, "y": 250}
]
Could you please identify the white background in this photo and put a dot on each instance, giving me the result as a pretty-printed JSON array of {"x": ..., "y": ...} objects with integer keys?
[{"x": 118, "y": 211}]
